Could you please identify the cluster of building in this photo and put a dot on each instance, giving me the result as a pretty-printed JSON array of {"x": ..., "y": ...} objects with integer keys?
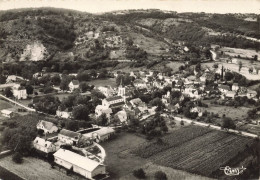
[{"x": 78, "y": 159}]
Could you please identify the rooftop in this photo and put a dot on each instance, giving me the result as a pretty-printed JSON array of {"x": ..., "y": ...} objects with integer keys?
[
  {"x": 76, "y": 159},
  {"x": 114, "y": 98}
]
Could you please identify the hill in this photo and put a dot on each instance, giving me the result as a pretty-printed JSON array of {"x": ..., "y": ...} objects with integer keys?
[{"x": 51, "y": 34}]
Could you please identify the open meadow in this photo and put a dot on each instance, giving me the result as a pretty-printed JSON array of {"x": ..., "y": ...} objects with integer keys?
[
  {"x": 245, "y": 53},
  {"x": 103, "y": 82},
  {"x": 33, "y": 169},
  {"x": 235, "y": 68},
  {"x": 119, "y": 160}
]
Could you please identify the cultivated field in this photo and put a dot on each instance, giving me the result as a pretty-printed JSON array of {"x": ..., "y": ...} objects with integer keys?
[
  {"x": 33, "y": 169},
  {"x": 195, "y": 149}
]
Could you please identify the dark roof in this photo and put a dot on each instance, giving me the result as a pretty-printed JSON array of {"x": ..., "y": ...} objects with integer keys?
[
  {"x": 222, "y": 86},
  {"x": 117, "y": 104},
  {"x": 69, "y": 133},
  {"x": 75, "y": 82},
  {"x": 235, "y": 84},
  {"x": 114, "y": 98}
]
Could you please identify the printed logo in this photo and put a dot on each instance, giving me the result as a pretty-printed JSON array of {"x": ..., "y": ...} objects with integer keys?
[{"x": 232, "y": 171}]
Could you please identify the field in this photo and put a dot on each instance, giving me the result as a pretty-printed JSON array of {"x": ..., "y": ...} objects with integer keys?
[
  {"x": 119, "y": 160},
  {"x": 33, "y": 169},
  {"x": 234, "y": 67},
  {"x": 242, "y": 52},
  {"x": 4, "y": 105},
  {"x": 232, "y": 112},
  {"x": 150, "y": 169},
  {"x": 195, "y": 149},
  {"x": 103, "y": 82},
  {"x": 174, "y": 65},
  {"x": 150, "y": 45}
]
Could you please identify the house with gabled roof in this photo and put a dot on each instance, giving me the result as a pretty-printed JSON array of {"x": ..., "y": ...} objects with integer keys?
[
  {"x": 139, "y": 83},
  {"x": 47, "y": 127},
  {"x": 69, "y": 137},
  {"x": 113, "y": 102},
  {"x": 19, "y": 91},
  {"x": 7, "y": 113},
  {"x": 74, "y": 84},
  {"x": 43, "y": 145},
  {"x": 224, "y": 88},
  {"x": 79, "y": 164},
  {"x": 235, "y": 87}
]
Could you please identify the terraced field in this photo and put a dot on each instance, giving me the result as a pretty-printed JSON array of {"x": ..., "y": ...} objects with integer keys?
[{"x": 195, "y": 149}]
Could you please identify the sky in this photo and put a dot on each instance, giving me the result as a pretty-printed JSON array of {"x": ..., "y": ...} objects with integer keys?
[{"x": 99, "y": 6}]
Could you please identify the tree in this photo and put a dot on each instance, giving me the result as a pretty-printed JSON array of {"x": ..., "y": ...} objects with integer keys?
[
  {"x": 81, "y": 112},
  {"x": 8, "y": 92},
  {"x": 139, "y": 173},
  {"x": 157, "y": 102},
  {"x": 64, "y": 84},
  {"x": 228, "y": 123},
  {"x": 258, "y": 92},
  {"x": 102, "y": 120},
  {"x": 84, "y": 86},
  {"x": 72, "y": 125},
  {"x": 29, "y": 89},
  {"x": 17, "y": 158},
  {"x": 240, "y": 64},
  {"x": 229, "y": 76},
  {"x": 2, "y": 79},
  {"x": 160, "y": 175}
]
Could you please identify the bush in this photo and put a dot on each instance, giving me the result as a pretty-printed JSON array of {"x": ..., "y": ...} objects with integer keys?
[
  {"x": 139, "y": 173},
  {"x": 159, "y": 175},
  {"x": 182, "y": 122},
  {"x": 17, "y": 158}
]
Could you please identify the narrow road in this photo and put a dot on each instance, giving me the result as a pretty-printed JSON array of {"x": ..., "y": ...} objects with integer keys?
[
  {"x": 215, "y": 127},
  {"x": 19, "y": 104}
]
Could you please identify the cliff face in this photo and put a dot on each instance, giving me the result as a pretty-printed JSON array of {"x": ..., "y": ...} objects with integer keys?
[{"x": 34, "y": 52}]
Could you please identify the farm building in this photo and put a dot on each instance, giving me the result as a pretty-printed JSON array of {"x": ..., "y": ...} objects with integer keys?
[
  {"x": 43, "y": 145},
  {"x": 69, "y": 137},
  {"x": 7, "y": 113},
  {"x": 100, "y": 134},
  {"x": 47, "y": 127},
  {"x": 79, "y": 164}
]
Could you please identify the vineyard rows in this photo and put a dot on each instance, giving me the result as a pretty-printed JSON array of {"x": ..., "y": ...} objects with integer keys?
[
  {"x": 174, "y": 139},
  {"x": 204, "y": 154}
]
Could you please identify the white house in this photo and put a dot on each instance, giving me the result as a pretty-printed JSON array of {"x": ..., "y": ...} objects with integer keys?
[
  {"x": 140, "y": 83},
  {"x": 43, "y": 145},
  {"x": 13, "y": 78},
  {"x": 79, "y": 164},
  {"x": 69, "y": 137},
  {"x": 74, "y": 84},
  {"x": 113, "y": 102},
  {"x": 101, "y": 134},
  {"x": 7, "y": 113},
  {"x": 47, "y": 127},
  {"x": 19, "y": 92},
  {"x": 64, "y": 114},
  {"x": 235, "y": 87},
  {"x": 224, "y": 88},
  {"x": 106, "y": 90},
  {"x": 122, "y": 116},
  {"x": 103, "y": 109}
]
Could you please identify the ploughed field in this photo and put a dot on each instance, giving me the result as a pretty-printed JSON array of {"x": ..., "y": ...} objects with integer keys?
[{"x": 195, "y": 149}]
